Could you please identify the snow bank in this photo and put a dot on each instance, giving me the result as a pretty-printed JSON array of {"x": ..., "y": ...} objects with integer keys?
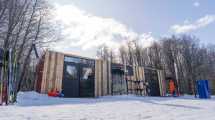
[{"x": 34, "y": 106}]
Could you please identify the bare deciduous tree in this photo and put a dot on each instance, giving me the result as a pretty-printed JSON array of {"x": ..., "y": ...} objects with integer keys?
[
  {"x": 182, "y": 58},
  {"x": 24, "y": 25}
]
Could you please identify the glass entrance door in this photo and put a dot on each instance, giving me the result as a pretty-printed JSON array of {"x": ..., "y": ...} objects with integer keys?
[
  {"x": 79, "y": 77},
  {"x": 87, "y": 77},
  {"x": 151, "y": 77},
  {"x": 70, "y": 85}
]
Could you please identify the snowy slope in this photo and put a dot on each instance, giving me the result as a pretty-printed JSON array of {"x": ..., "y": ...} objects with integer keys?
[{"x": 33, "y": 106}]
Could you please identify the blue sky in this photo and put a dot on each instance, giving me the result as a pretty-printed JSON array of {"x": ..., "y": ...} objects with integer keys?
[{"x": 145, "y": 19}]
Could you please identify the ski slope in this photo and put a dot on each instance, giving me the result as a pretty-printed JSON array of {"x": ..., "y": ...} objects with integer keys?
[{"x": 34, "y": 106}]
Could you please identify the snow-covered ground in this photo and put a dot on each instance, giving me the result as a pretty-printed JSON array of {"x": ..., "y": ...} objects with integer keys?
[{"x": 34, "y": 106}]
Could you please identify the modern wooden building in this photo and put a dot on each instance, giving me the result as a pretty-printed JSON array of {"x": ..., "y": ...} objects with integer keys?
[{"x": 77, "y": 76}]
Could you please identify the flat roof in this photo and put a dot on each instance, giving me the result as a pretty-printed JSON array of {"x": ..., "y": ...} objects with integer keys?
[{"x": 72, "y": 55}]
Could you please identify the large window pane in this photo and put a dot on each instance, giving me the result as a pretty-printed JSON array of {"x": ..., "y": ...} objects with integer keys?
[
  {"x": 87, "y": 73},
  {"x": 72, "y": 59},
  {"x": 72, "y": 72}
]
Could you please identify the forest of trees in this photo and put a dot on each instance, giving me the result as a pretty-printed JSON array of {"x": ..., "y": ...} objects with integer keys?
[
  {"x": 183, "y": 58},
  {"x": 26, "y": 26}
]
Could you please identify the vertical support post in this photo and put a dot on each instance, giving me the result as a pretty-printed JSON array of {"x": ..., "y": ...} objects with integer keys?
[
  {"x": 1, "y": 75},
  {"x": 125, "y": 75},
  {"x": 9, "y": 88},
  {"x": 176, "y": 75}
]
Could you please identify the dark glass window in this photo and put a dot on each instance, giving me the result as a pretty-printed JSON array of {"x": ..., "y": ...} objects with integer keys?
[
  {"x": 72, "y": 59},
  {"x": 72, "y": 72},
  {"x": 78, "y": 60},
  {"x": 87, "y": 73}
]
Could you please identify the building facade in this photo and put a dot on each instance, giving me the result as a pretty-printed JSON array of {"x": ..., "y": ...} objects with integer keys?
[{"x": 77, "y": 76}]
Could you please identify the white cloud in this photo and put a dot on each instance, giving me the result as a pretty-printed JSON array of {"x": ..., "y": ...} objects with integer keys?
[
  {"x": 188, "y": 27},
  {"x": 87, "y": 31},
  {"x": 146, "y": 39},
  {"x": 196, "y": 4}
]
